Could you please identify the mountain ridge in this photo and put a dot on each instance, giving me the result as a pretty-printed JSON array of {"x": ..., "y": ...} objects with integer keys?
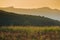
[
  {"x": 45, "y": 11},
  {"x": 13, "y": 19}
]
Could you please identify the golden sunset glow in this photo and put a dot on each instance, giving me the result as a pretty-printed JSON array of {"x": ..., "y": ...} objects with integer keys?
[{"x": 30, "y": 3}]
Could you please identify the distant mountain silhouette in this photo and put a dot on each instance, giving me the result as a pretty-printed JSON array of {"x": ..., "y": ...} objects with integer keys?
[
  {"x": 12, "y": 19},
  {"x": 45, "y": 11}
]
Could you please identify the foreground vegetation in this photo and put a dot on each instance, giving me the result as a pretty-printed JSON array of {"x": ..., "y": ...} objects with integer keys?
[{"x": 30, "y": 33}]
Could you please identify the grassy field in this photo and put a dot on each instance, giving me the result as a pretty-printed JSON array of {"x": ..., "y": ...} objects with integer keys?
[{"x": 29, "y": 33}]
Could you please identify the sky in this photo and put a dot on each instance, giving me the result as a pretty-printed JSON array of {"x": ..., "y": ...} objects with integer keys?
[{"x": 55, "y": 4}]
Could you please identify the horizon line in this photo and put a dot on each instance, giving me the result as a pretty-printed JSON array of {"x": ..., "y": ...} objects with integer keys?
[{"x": 29, "y": 8}]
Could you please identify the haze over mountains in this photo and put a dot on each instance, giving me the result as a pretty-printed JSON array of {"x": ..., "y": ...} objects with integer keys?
[{"x": 45, "y": 11}]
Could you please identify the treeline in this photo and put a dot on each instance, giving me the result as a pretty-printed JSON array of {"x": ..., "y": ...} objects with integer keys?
[{"x": 12, "y": 19}]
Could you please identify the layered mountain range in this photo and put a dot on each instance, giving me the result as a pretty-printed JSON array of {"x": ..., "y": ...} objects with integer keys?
[{"x": 45, "y": 11}]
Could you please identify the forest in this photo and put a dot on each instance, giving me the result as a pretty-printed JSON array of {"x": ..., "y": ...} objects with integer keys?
[{"x": 13, "y": 19}]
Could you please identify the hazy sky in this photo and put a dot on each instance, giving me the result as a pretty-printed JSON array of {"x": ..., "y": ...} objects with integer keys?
[{"x": 30, "y": 3}]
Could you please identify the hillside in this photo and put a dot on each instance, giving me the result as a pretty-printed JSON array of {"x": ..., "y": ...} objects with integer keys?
[
  {"x": 44, "y": 11},
  {"x": 12, "y": 19}
]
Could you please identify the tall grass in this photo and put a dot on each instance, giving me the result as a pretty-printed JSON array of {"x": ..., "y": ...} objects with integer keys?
[{"x": 30, "y": 33}]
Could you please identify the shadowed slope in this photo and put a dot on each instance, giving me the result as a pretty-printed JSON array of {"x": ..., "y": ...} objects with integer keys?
[{"x": 9, "y": 19}]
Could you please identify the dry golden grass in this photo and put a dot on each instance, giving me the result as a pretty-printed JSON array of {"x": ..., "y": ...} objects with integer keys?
[
  {"x": 30, "y": 33},
  {"x": 32, "y": 28}
]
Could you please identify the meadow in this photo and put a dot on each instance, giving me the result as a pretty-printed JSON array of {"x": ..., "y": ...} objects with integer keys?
[{"x": 30, "y": 33}]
